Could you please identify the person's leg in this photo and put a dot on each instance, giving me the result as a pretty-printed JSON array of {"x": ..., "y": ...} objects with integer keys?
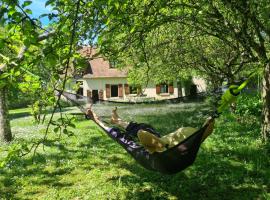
[
  {"x": 178, "y": 136},
  {"x": 181, "y": 134},
  {"x": 115, "y": 119},
  {"x": 151, "y": 142},
  {"x": 114, "y": 132},
  {"x": 91, "y": 115}
]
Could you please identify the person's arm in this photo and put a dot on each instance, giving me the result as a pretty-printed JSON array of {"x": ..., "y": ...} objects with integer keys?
[{"x": 95, "y": 118}]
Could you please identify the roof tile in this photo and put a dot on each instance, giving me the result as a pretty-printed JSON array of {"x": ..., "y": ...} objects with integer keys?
[{"x": 98, "y": 66}]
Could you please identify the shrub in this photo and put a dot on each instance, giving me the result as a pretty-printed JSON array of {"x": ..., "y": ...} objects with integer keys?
[
  {"x": 249, "y": 104},
  {"x": 19, "y": 100}
]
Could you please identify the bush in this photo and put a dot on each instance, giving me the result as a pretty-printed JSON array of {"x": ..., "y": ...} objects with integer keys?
[
  {"x": 249, "y": 104},
  {"x": 19, "y": 100},
  {"x": 65, "y": 103}
]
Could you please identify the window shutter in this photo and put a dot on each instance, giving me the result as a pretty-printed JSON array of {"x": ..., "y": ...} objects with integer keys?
[
  {"x": 100, "y": 95},
  {"x": 171, "y": 89},
  {"x": 158, "y": 89},
  {"x": 89, "y": 94},
  {"x": 108, "y": 90},
  {"x": 120, "y": 90},
  {"x": 127, "y": 92}
]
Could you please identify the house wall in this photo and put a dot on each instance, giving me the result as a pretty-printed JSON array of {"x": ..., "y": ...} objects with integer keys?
[
  {"x": 200, "y": 83},
  {"x": 149, "y": 92},
  {"x": 100, "y": 84}
]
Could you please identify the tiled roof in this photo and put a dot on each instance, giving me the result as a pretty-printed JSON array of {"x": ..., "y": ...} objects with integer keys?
[{"x": 99, "y": 67}]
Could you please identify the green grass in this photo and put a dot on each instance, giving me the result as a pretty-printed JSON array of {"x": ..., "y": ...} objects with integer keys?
[{"x": 231, "y": 164}]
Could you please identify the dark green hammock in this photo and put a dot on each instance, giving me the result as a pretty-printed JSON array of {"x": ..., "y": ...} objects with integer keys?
[{"x": 169, "y": 161}]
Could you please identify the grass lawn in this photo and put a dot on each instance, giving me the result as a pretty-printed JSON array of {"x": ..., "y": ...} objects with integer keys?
[{"x": 231, "y": 164}]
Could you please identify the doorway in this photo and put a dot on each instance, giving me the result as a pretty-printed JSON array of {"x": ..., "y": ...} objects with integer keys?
[
  {"x": 193, "y": 90},
  {"x": 95, "y": 96},
  {"x": 114, "y": 90}
]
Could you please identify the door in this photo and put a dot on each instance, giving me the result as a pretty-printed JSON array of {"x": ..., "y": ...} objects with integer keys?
[
  {"x": 95, "y": 96},
  {"x": 114, "y": 90},
  {"x": 193, "y": 90}
]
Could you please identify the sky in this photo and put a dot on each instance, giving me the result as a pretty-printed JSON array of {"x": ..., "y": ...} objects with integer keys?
[{"x": 38, "y": 8}]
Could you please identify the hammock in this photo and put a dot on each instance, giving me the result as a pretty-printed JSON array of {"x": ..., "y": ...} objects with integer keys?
[
  {"x": 177, "y": 158},
  {"x": 169, "y": 161}
]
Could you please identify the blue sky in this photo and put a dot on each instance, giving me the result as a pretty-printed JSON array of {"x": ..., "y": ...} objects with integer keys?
[{"x": 38, "y": 8}]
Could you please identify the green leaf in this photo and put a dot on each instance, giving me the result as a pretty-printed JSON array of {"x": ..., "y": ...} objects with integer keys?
[
  {"x": 49, "y": 2},
  {"x": 108, "y": 21},
  {"x": 28, "y": 11},
  {"x": 17, "y": 73},
  {"x": 43, "y": 15},
  {"x": 26, "y": 3},
  {"x": 72, "y": 125},
  {"x": 116, "y": 4},
  {"x": 65, "y": 131},
  {"x": 2, "y": 84},
  {"x": 133, "y": 29},
  {"x": 56, "y": 129},
  {"x": 11, "y": 11},
  {"x": 4, "y": 75}
]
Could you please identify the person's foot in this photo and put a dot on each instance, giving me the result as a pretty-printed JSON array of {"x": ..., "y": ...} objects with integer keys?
[
  {"x": 115, "y": 117},
  {"x": 90, "y": 114}
]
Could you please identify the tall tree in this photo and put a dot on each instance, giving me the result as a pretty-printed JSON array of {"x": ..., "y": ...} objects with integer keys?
[
  {"x": 244, "y": 22},
  {"x": 241, "y": 22},
  {"x": 41, "y": 54}
]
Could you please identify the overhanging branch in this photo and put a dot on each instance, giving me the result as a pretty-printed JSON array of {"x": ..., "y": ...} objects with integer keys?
[{"x": 24, "y": 48}]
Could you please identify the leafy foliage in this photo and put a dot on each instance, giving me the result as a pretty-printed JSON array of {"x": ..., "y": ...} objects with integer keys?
[
  {"x": 249, "y": 104},
  {"x": 38, "y": 60}
]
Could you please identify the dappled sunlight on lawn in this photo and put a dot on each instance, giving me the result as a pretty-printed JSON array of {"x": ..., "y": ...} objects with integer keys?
[{"x": 231, "y": 164}]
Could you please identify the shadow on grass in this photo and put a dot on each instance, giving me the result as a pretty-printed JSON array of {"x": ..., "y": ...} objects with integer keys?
[
  {"x": 226, "y": 167},
  {"x": 16, "y": 115},
  {"x": 216, "y": 178},
  {"x": 40, "y": 175},
  {"x": 19, "y": 115}
]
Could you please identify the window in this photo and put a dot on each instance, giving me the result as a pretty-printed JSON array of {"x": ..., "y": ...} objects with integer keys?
[
  {"x": 164, "y": 88},
  {"x": 114, "y": 90},
  {"x": 79, "y": 93}
]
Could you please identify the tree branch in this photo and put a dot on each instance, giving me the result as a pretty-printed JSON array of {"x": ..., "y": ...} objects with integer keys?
[{"x": 23, "y": 49}]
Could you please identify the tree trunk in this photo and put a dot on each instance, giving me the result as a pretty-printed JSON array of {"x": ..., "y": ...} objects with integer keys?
[
  {"x": 5, "y": 131},
  {"x": 266, "y": 103}
]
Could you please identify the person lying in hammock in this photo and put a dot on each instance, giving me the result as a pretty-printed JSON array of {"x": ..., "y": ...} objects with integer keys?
[{"x": 147, "y": 135}]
